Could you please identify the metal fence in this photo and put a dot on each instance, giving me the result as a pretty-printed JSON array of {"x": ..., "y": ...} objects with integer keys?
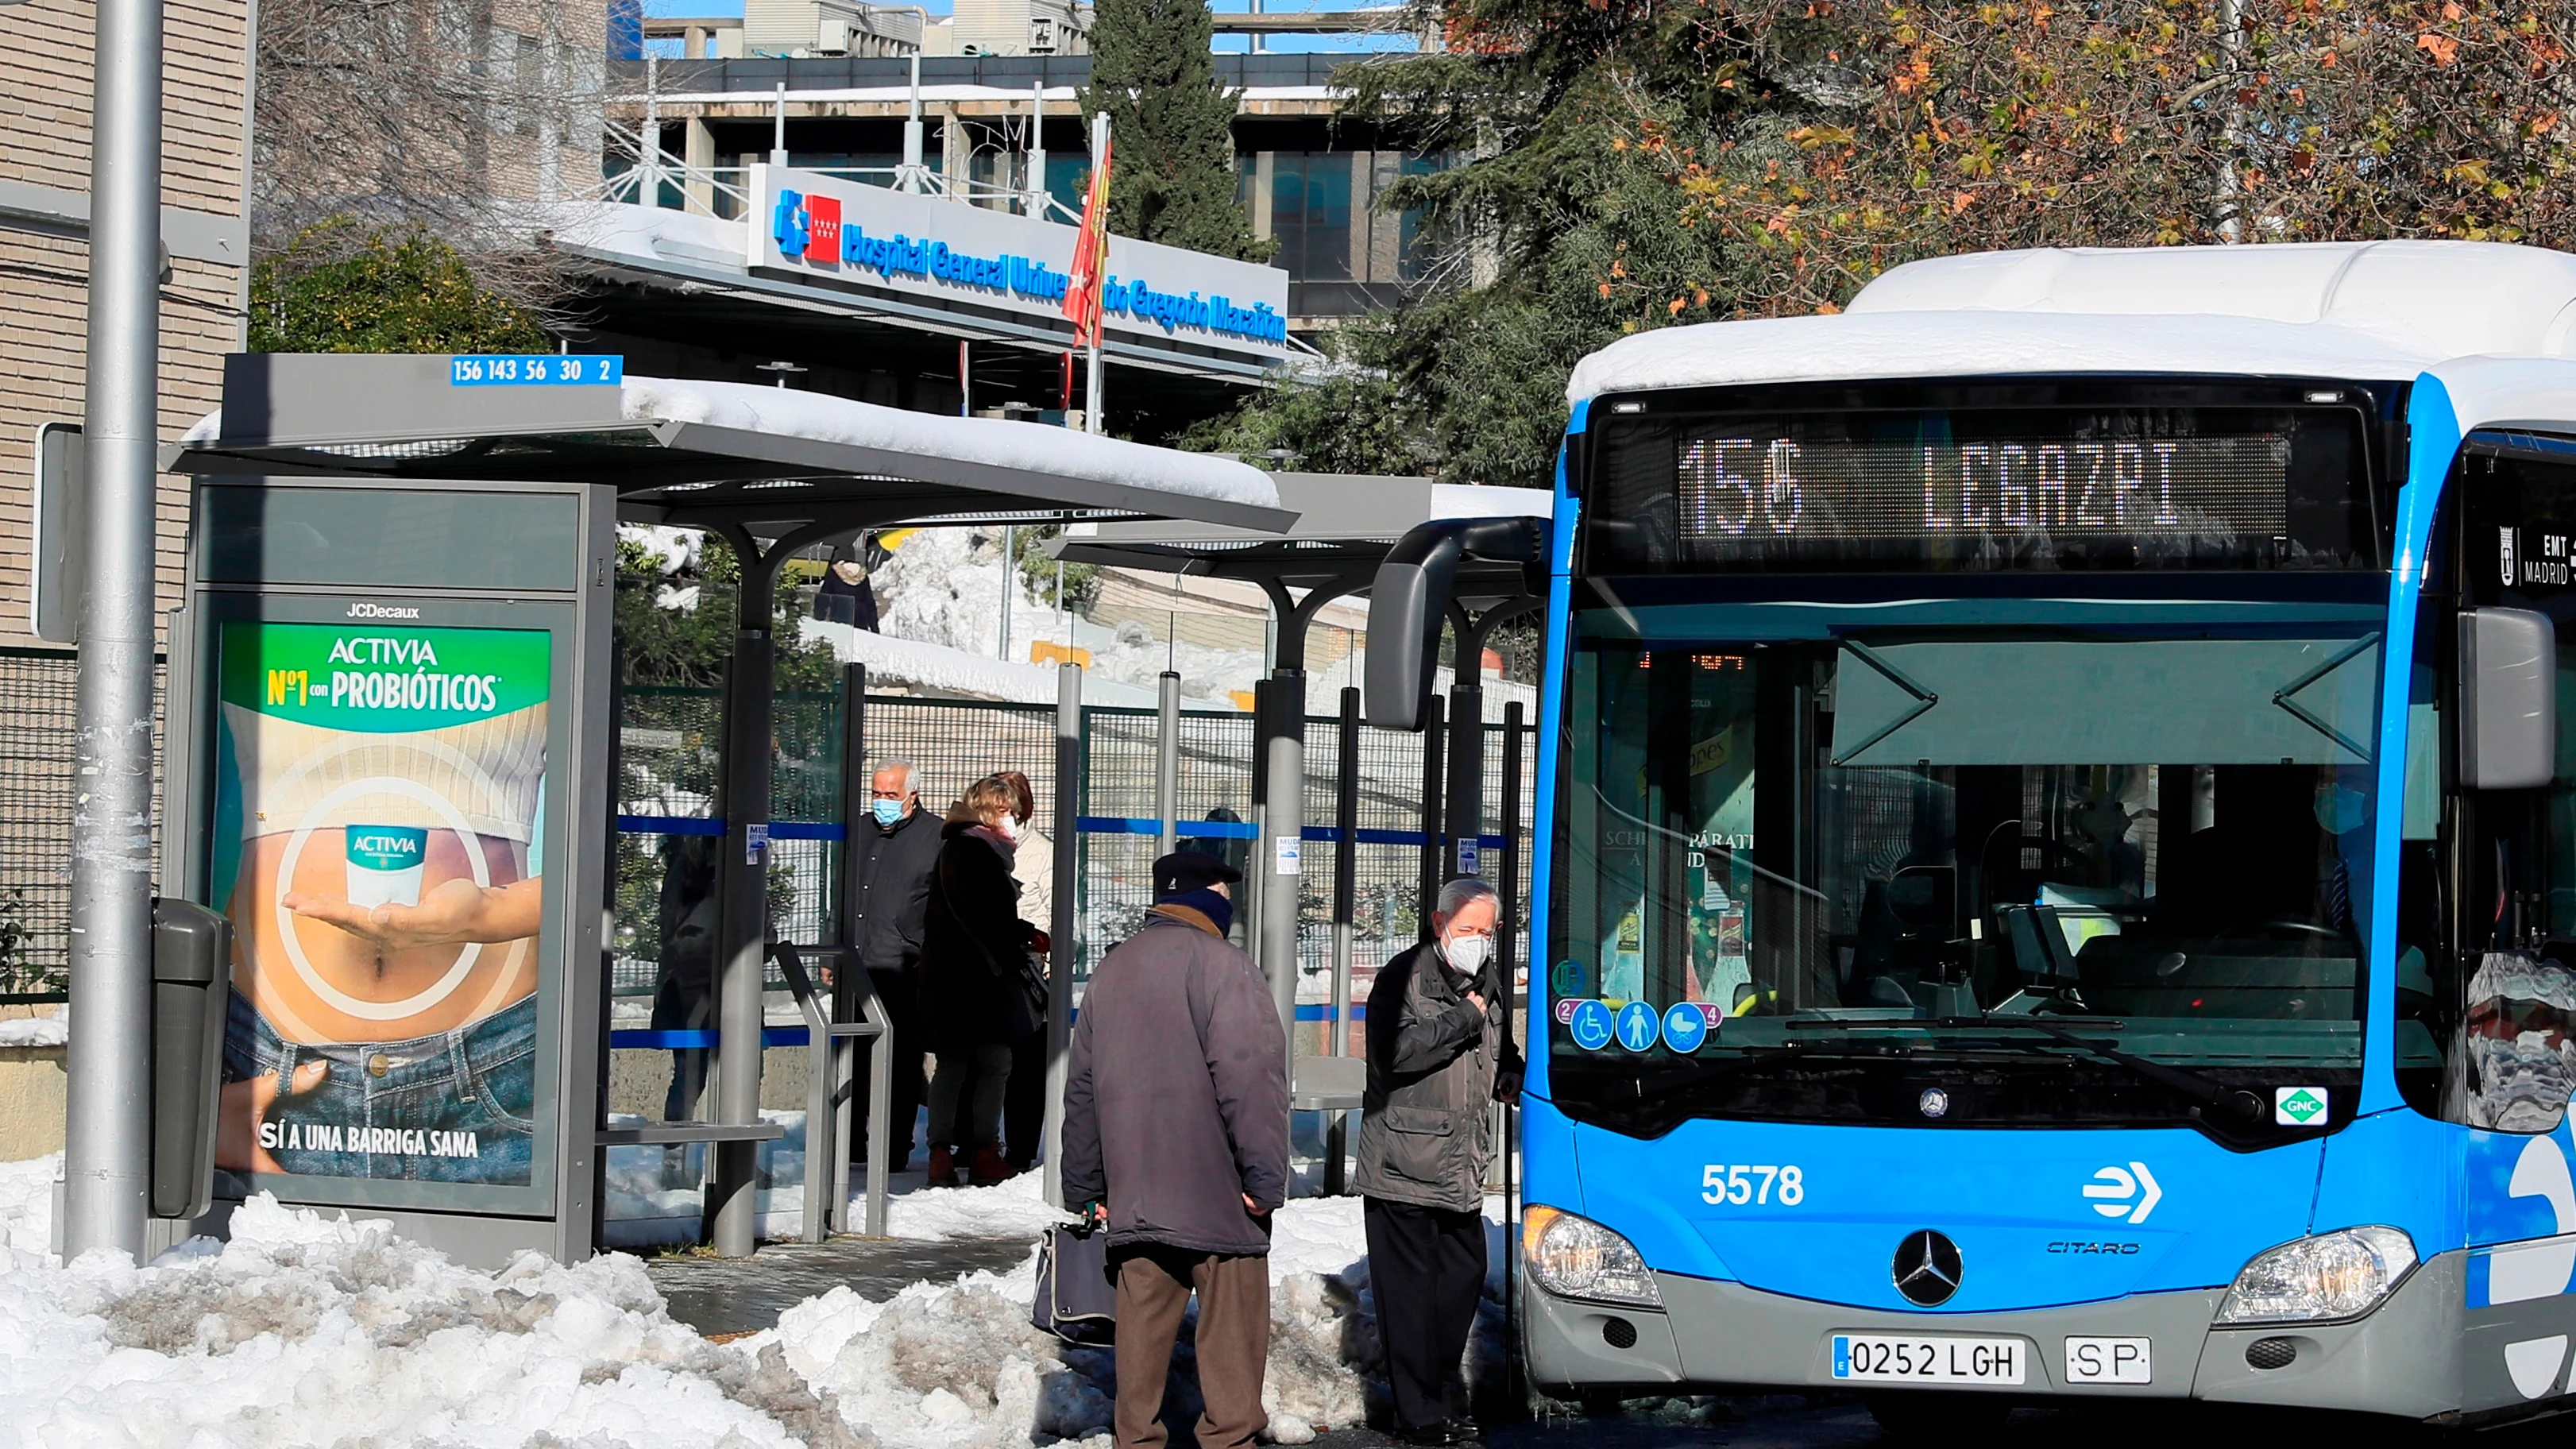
[
  {"x": 669, "y": 750},
  {"x": 36, "y": 798}
]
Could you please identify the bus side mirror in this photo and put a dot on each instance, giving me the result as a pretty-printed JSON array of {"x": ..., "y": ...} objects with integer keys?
[
  {"x": 1410, "y": 599},
  {"x": 192, "y": 956},
  {"x": 2508, "y": 699}
]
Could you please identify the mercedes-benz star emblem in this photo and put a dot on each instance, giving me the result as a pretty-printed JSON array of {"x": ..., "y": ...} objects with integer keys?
[
  {"x": 1934, "y": 1102},
  {"x": 1927, "y": 1268}
]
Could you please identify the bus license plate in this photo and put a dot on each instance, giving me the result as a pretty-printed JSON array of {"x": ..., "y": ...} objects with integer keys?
[{"x": 1891, "y": 1359}]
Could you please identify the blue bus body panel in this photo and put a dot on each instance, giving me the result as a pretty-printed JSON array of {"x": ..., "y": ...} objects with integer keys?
[{"x": 2042, "y": 1218}]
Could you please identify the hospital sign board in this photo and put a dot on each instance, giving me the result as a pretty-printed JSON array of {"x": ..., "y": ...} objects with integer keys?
[{"x": 967, "y": 256}]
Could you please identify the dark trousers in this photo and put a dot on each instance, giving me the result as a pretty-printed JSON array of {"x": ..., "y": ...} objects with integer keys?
[
  {"x": 1024, "y": 1103},
  {"x": 895, "y": 988},
  {"x": 1154, "y": 1287},
  {"x": 1427, "y": 1273}
]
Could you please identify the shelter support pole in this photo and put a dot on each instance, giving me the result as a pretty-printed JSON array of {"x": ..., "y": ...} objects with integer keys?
[
  {"x": 1167, "y": 761},
  {"x": 732, "y": 1199},
  {"x": 732, "y": 1196},
  {"x": 1466, "y": 793},
  {"x": 1281, "y": 852},
  {"x": 106, "y": 1173},
  {"x": 1428, "y": 888},
  {"x": 857, "y": 796},
  {"x": 1346, "y": 868},
  {"x": 1464, "y": 796},
  {"x": 1065, "y": 958},
  {"x": 1280, "y": 728}
]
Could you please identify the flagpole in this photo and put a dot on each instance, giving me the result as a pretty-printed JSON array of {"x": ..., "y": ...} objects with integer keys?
[{"x": 1100, "y": 258}]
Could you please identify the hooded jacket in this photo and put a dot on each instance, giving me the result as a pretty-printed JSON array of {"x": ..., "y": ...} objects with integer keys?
[{"x": 1176, "y": 1096}]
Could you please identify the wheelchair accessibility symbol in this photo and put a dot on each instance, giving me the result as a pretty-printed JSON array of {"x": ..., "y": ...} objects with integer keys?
[{"x": 1590, "y": 1024}]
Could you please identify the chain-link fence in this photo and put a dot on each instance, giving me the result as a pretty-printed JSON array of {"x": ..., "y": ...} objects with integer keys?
[{"x": 36, "y": 798}]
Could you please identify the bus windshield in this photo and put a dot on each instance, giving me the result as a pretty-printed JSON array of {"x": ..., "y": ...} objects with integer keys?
[{"x": 1890, "y": 870}]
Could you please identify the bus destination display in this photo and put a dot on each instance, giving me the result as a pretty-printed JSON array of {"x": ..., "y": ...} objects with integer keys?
[{"x": 1740, "y": 493}]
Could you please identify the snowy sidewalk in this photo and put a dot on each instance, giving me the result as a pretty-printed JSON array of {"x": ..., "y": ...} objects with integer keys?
[
  {"x": 720, "y": 1297},
  {"x": 311, "y": 1331}
]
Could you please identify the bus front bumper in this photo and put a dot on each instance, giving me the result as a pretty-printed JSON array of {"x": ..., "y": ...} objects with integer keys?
[{"x": 1717, "y": 1335}]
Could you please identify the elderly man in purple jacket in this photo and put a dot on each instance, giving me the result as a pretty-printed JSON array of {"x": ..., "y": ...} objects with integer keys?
[{"x": 1176, "y": 1135}]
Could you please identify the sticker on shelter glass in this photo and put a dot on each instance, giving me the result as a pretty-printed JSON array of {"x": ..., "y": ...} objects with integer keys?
[{"x": 377, "y": 845}]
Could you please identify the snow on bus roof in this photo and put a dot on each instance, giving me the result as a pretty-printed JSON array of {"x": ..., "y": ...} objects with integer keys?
[
  {"x": 1033, "y": 447},
  {"x": 2361, "y": 310}
]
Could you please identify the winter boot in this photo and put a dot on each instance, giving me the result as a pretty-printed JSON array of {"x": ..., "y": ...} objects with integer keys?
[
  {"x": 943, "y": 1168},
  {"x": 989, "y": 1168}
]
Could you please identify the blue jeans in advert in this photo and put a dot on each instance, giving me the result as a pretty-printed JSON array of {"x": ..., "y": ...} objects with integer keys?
[{"x": 456, "y": 1106}]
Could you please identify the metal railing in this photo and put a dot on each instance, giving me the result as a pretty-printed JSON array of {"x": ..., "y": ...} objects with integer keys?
[{"x": 637, "y": 174}]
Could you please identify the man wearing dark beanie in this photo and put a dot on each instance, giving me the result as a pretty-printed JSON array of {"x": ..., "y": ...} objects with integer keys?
[{"x": 1176, "y": 1136}]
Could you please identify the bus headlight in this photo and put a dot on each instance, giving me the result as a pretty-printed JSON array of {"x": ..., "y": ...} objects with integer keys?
[
  {"x": 1575, "y": 1257},
  {"x": 2340, "y": 1274}
]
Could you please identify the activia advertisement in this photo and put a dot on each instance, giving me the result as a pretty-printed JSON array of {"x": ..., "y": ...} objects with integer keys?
[{"x": 377, "y": 844}]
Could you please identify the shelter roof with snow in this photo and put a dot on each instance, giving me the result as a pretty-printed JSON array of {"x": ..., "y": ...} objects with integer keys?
[
  {"x": 2495, "y": 324},
  {"x": 701, "y": 454},
  {"x": 1345, "y": 523}
]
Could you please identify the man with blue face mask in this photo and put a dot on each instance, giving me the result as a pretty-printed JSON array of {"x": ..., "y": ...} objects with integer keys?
[{"x": 892, "y": 852}]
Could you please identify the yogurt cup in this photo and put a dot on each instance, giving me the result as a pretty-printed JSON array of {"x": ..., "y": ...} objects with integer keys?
[{"x": 385, "y": 863}]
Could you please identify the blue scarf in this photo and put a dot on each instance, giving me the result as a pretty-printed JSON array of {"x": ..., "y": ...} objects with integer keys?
[{"x": 1218, "y": 909}]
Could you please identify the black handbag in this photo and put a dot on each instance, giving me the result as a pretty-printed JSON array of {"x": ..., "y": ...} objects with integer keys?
[{"x": 1075, "y": 1300}]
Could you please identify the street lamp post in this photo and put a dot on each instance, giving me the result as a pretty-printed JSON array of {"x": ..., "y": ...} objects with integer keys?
[{"x": 107, "y": 1162}]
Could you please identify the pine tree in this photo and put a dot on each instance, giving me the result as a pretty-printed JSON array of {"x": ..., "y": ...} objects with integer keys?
[{"x": 1172, "y": 174}]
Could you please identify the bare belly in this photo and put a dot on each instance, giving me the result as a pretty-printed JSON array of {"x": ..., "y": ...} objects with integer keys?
[{"x": 397, "y": 994}]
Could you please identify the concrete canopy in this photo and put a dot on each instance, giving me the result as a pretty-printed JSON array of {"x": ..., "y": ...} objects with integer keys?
[{"x": 701, "y": 454}]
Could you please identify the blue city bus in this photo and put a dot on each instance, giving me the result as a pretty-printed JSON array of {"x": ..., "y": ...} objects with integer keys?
[{"x": 2056, "y": 863}]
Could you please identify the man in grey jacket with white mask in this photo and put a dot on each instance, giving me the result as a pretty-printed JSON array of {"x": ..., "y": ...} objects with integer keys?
[{"x": 1439, "y": 1056}]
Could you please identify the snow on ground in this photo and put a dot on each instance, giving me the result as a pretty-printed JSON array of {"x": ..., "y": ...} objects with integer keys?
[
  {"x": 27, "y": 1204},
  {"x": 956, "y": 1366},
  {"x": 38, "y": 1031},
  {"x": 313, "y": 1330}
]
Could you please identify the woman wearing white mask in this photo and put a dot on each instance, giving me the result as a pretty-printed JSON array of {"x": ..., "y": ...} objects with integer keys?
[{"x": 1439, "y": 1056}]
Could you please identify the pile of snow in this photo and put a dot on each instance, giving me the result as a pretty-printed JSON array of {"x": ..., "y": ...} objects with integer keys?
[
  {"x": 27, "y": 1205},
  {"x": 957, "y": 1366},
  {"x": 38, "y": 1031},
  {"x": 315, "y": 1330},
  {"x": 311, "y": 1331}
]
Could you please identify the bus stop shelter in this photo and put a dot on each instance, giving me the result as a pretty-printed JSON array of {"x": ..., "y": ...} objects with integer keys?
[
  {"x": 308, "y": 448},
  {"x": 1345, "y": 525}
]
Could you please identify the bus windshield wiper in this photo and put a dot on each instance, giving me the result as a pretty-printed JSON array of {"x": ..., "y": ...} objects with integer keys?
[
  {"x": 2207, "y": 1091},
  {"x": 2204, "y": 1090}
]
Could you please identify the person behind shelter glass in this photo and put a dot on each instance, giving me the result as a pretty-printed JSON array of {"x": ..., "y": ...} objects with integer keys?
[
  {"x": 974, "y": 1009},
  {"x": 1176, "y": 1137},
  {"x": 1438, "y": 1057}
]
